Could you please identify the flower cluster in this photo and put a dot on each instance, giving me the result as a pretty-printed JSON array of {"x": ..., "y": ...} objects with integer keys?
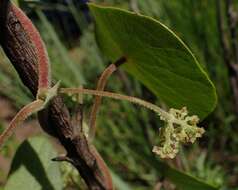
[{"x": 179, "y": 129}]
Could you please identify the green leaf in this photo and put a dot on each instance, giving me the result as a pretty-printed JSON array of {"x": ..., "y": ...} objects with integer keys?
[
  {"x": 32, "y": 167},
  {"x": 182, "y": 180},
  {"x": 156, "y": 57}
]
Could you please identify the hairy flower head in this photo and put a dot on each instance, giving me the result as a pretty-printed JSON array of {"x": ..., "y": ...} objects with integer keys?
[{"x": 179, "y": 129}]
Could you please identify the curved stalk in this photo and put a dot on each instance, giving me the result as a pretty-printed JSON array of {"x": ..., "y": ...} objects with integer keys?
[
  {"x": 22, "y": 115},
  {"x": 103, "y": 167},
  {"x": 112, "y": 95},
  {"x": 100, "y": 87}
]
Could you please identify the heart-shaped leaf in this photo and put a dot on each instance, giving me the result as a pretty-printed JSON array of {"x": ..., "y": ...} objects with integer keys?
[{"x": 156, "y": 57}]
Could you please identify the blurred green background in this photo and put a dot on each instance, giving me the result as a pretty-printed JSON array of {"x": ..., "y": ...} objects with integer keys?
[{"x": 127, "y": 133}]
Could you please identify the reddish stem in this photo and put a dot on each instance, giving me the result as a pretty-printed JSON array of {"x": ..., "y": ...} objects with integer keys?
[
  {"x": 103, "y": 168},
  {"x": 42, "y": 56},
  {"x": 20, "y": 117},
  {"x": 100, "y": 87}
]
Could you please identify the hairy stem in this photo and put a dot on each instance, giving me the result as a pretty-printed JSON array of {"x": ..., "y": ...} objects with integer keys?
[
  {"x": 19, "y": 118},
  {"x": 42, "y": 56},
  {"x": 116, "y": 96},
  {"x": 55, "y": 120},
  {"x": 100, "y": 87}
]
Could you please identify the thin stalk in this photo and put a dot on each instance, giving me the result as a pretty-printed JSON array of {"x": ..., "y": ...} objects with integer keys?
[
  {"x": 22, "y": 115},
  {"x": 100, "y": 87},
  {"x": 103, "y": 168},
  {"x": 116, "y": 96}
]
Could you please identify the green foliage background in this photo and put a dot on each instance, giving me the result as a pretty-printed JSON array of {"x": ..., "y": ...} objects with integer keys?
[{"x": 126, "y": 133}]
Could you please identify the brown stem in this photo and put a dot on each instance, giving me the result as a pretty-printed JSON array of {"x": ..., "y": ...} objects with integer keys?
[
  {"x": 56, "y": 120},
  {"x": 103, "y": 167},
  {"x": 232, "y": 24},
  {"x": 227, "y": 52},
  {"x": 222, "y": 34},
  {"x": 100, "y": 87}
]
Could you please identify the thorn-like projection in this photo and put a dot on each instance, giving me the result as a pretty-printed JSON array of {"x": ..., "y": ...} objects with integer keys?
[
  {"x": 47, "y": 94},
  {"x": 62, "y": 158}
]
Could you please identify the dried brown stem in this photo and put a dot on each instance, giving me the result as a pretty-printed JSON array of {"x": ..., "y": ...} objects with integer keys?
[{"x": 56, "y": 120}]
